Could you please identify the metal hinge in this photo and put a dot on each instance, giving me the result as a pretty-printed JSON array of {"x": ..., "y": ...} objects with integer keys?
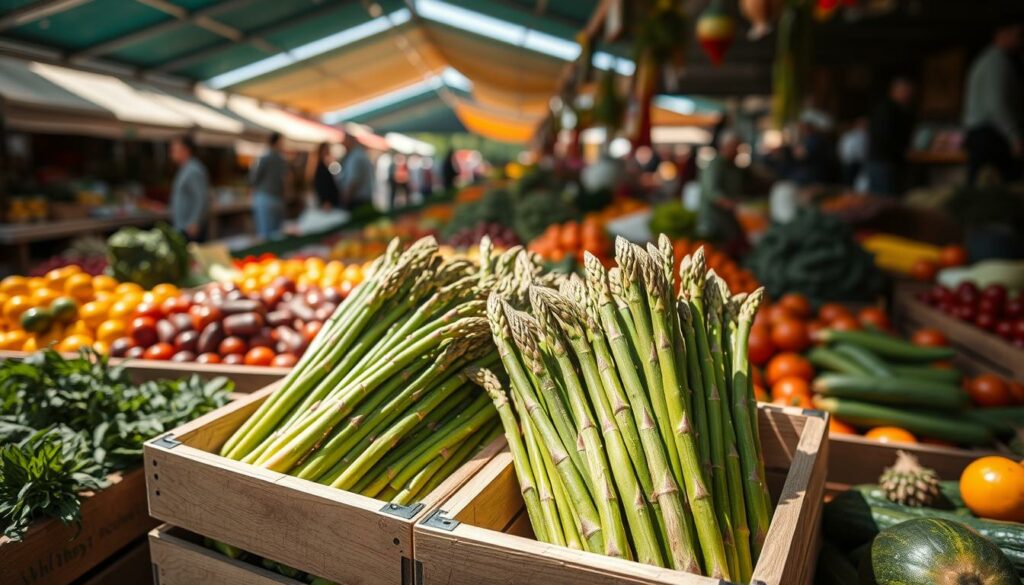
[
  {"x": 438, "y": 520},
  {"x": 407, "y": 512},
  {"x": 167, "y": 441}
]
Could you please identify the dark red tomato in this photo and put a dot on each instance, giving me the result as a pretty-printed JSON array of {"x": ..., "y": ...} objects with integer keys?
[
  {"x": 135, "y": 352},
  {"x": 940, "y": 294},
  {"x": 965, "y": 312},
  {"x": 986, "y": 321},
  {"x": 1004, "y": 329},
  {"x": 760, "y": 346},
  {"x": 232, "y": 345},
  {"x": 995, "y": 293},
  {"x": 990, "y": 306},
  {"x": 345, "y": 288},
  {"x": 120, "y": 346},
  {"x": 332, "y": 295},
  {"x": 142, "y": 330},
  {"x": 262, "y": 339},
  {"x": 186, "y": 341},
  {"x": 233, "y": 359},
  {"x": 286, "y": 284},
  {"x": 175, "y": 305},
  {"x": 1018, "y": 328},
  {"x": 159, "y": 351},
  {"x": 259, "y": 356},
  {"x": 967, "y": 293},
  {"x": 284, "y": 360},
  {"x": 181, "y": 321},
  {"x": 183, "y": 356},
  {"x": 166, "y": 331},
  {"x": 149, "y": 310},
  {"x": 311, "y": 329},
  {"x": 208, "y": 358},
  {"x": 1013, "y": 309},
  {"x": 203, "y": 315}
]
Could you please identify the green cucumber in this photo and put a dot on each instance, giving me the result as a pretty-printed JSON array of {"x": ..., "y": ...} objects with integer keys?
[
  {"x": 866, "y": 359},
  {"x": 887, "y": 390},
  {"x": 889, "y": 347},
  {"x": 927, "y": 373},
  {"x": 1011, "y": 414},
  {"x": 824, "y": 358},
  {"x": 925, "y": 424},
  {"x": 997, "y": 424}
]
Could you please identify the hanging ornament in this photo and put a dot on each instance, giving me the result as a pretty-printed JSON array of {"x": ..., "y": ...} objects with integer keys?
[
  {"x": 716, "y": 30},
  {"x": 762, "y": 14}
]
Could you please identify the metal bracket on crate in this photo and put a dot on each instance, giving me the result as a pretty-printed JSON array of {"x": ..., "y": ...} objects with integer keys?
[
  {"x": 412, "y": 571},
  {"x": 406, "y": 512},
  {"x": 167, "y": 441},
  {"x": 813, "y": 412},
  {"x": 438, "y": 520}
]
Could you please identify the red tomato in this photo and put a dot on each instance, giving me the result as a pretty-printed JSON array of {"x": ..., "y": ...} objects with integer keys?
[
  {"x": 159, "y": 351},
  {"x": 831, "y": 311},
  {"x": 923, "y": 270},
  {"x": 785, "y": 365},
  {"x": 142, "y": 330},
  {"x": 989, "y": 390},
  {"x": 874, "y": 317},
  {"x": 208, "y": 358},
  {"x": 1016, "y": 391},
  {"x": 797, "y": 304},
  {"x": 798, "y": 401},
  {"x": 929, "y": 338},
  {"x": 120, "y": 346},
  {"x": 233, "y": 359},
  {"x": 952, "y": 256},
  {"x": 175, "y": 305},
  {"x": 284, "y": 360},
  {"x": 760, "y": 346},
  {"x": 311, "y": 329},
  {"x": 231, "y": 345},
  {"x": 203, "y": 315},
  {"x": 838, "y": 427},
  {"x": 845, "y": 323},
  {"x": 345, "y": 288},
  {"x": 790, "y": 387},
  {"x": 790, "y": 335},
  {"x": 149, "y": 310},
  {"x": 779, "y": 312},
  {"x": 259, "y": 356}
]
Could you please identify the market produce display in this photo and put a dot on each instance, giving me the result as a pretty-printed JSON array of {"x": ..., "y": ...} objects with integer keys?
[
  {"x": 66, "y": 423},
  {"x": 992, "y": 308},
  {"x": 570, "y": 240},
  {"x": 221, "y": 324},
  {"x": 655, "y": 460},
  {"x": 738, "y": 278},
  {"x": 961, "y": 532},
  {"x": 919, "y": 260},
  {"x": 148, "y": 257},
  {"x": 69, "y": 309},
  {"x": 815, "y": 255},
  {"x": 380, "y": 403}
]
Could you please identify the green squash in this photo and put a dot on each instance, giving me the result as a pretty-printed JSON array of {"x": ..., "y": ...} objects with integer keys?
[{"x": 934, "y": 551}]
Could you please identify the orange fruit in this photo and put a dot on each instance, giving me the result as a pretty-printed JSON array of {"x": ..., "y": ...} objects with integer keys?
[
  {"x": 42, "y": 297},
  {"x": 93, "y": 313},
  {"x": 104, "y": 282},
  {"x": 838, "y": 427},
  {"x": 165, "y": 291},
  {"x": 15, "y": 306},
  {"x": 993, "y": 487},
  {"x": 74, "y": 342},
  {"x": 101, "y": 347},
  {"x": 14, "y": 340},
  {"x": 890, "y": 435},
  {"x": 55, "y": 278},
  {"x": 79, "y": 327},
  {"x": 14, "y": 285},
  {"x": 51, "y": 337},
  {"x": 37, "y": 282},
  {"x": 79, "y": 287},
  {"x": 122, "y": 309},
  {"x": 110, "y": 330},
  {"x": 29, "y": 345},
  {"x": 128, "y": 287}
]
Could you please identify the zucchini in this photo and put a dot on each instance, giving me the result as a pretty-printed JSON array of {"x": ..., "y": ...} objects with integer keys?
[
  {"x": 1011, "y": 414},
  {"x": 888, "y": 346},
  {"x": 926, "y": 424},
  {"x": 899, "y": 391},
  {"x": 824, "y": 358},
  {"x": 866, "y": 359},
  {"x": 927, "y": 373},
  {"x": 998, "y": 425},
  {"x": 851, "y": 519}
]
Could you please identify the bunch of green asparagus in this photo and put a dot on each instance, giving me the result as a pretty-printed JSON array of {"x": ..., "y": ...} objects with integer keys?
[
  {"x": 630, "y": 415},
  {"x": 380, "y": 404}
]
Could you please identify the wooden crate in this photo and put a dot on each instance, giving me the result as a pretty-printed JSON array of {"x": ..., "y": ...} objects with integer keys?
[
  {"x": 132, "y": 566},
  {"x": 54, "y": 554},
  {"x": 483, "y": 535},
  {"x": 321, "y": 530},
  {"x": 978, "y": 351},
  {"x": 246, "y": 378},
  {"x": 855, "y": 460},
  {"x": 179, "y": 558}
]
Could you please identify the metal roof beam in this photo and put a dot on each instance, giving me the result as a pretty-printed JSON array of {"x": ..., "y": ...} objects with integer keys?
[
  {"x": 37, "y": 11},
  {"x": 203, "y": 15},
  {"x": 256, "y": 38},
  {"x": 203, "y": 21}
]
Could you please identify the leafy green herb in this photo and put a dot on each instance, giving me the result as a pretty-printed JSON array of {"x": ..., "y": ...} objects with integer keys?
[{"x": 67, "y": 423}]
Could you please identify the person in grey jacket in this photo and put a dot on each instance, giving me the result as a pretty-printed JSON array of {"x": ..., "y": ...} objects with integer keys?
[
  {"x": 190, "y": 191},
  {"x": 268, "y": 177},
  {"x": 994, "y": 106}
]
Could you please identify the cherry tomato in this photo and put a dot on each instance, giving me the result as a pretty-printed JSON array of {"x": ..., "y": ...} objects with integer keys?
[
  {"x": 310, "y": 330},
  {"x": 208, "y": 358},
  {"x": 159, "y": 351},
  {"x": 790, "y": 335},
  {"x": 259, "y": 356},
  {"x": 760, "y": 346},
  {"x": 929, "y": 338},
  {"x": 797, "y": 304},
  {"x": 790, "y": 387},
  {"x": 831, "y": 311},
  {"x": 989, "y": 390},
  {"x": 203, "y": 315},
  {"x": 142, "y": 330},
  {"x": 149, "y": 310},
  {"x": 233, "y": 359},
  {"x": 284, "y": 360},
  {"x": 873, "y": 317},
  {"x": 845, "y": 323},
  {"x": 231, "y": 345},
  {"x": 785, "y": 365},
  {"x": 120, "y": 346}
]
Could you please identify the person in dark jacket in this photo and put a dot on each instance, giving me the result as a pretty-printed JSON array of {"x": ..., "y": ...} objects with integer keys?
[
  {"x": 889, "y": 133},
  {"x": 324, "y": 184}
]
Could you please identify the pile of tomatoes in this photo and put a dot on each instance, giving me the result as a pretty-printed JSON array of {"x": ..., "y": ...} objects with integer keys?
[
  {"x": 790, "y": 325},
  {"x": 991, "y": 308},
  {"x": 221, "y": 323}
]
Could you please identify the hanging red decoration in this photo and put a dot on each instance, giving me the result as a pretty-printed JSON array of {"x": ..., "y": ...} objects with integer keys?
[{"x": 716, "y": 30}]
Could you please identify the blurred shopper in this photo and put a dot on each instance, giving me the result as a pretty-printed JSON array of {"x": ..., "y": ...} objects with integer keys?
[
  {"x": 889, "y": 133},
  {"x": 722, "y": 178},
  {"x": 993, "y": 107},
  {"x": 449, "y": 170},
  {"x": 324, "y": 184},
  {"x": 814, "y": 152},
  {"x": 853, "y": 154},
  {"x": 268, "y": 177},
  {"x": 399, "y": 179},
  {"x": 190, "y": 191},
  {"x": 356, "y": 174}
]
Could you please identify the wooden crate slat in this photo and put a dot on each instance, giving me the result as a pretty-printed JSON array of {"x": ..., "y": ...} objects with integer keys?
[
  {"x": 483, "y": 548},
  {"x": 179, "y": 561},
  {"x": 321, "y": 530},
  {"x": 51, "y": 553}
]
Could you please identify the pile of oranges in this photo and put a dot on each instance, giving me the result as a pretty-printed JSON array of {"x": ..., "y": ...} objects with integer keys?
[
  {"x": 306, "y": 272},
  {"x": 571, "y": 239},
  {"x": 68, "y": 309},
  {"x": 739, "y": 279}
]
